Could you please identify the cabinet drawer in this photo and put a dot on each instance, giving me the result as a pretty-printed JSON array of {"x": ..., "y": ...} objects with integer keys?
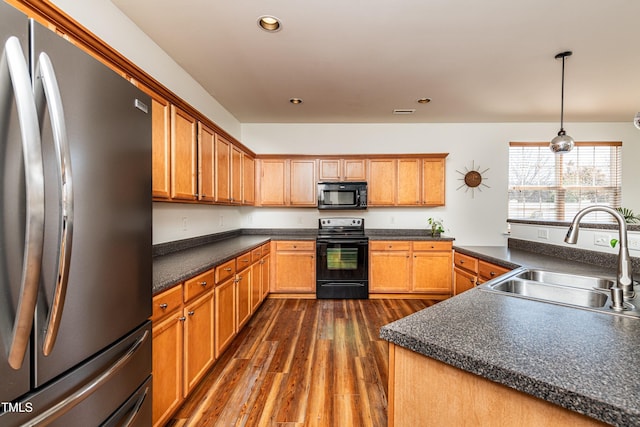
[
  {"x": 389, "y": 245},
  {"x": 226, "y": 270},
  {"x": 197, "y": 285},
  {"x": 243, "y": 261},
  {"x": 166, "y": 302},
  {"x": 488, "y": 271},
  {"x": 431, "y": 246},
  {"x": 266, "y": 248},
  {"x": 297, "y": 245},
  {"x": 256, "y": 254},
  {"x": 465, "y": 261}
]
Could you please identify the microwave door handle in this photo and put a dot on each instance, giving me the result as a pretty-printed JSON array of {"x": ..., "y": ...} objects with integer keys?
[
  {"x": 15, "y": 74},
  {"x": 48, "y": 93}
]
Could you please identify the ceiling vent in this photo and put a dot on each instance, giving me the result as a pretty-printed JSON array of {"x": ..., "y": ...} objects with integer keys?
[{"x": 404, "y": 111}]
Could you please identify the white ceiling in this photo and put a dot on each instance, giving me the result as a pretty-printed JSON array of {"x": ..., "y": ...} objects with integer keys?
[{"x": 354, "y": 61}]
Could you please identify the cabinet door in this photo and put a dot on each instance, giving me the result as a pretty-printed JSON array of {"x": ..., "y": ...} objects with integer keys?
[
  {"x": 433, "y": 182},
  {"x": 408, "y": 183},
  {"x": 198, "y": 340},
  {"x": 382, "y": 178},
  {"x": 225, "y": 317},
  {"x": 223, "y": 170},
  {"x": 273, "y": 176},
  {"x": 303, "y": 183},
  {"x": 463, "y": 280},
  {"x": 266, "y": 276},
  {"x": 354, "y": 169},
  {"x": 432, "y": 272},
  {"x": 256, "y": 285},
  {"x": 329, "y": 170},
  {"x": 295, "y": 267},
  {"x": 248, "y": 180},
  {"x": 167, "y": 367},
  {"x": 389, "y": 266},
  {"x": 161, "y": 148},
  {"x": 206, "y": 162},
  {"x": 236, "y": 175},
  {"x": 243, "y": 297},
  {"x": 183, "y": 155}
]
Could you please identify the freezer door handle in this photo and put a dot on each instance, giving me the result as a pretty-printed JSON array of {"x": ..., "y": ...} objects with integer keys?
[
  {"x": 69, "y": 402},
  {"x": 47, "y": 94},
  {"x": 136, "y": 409},
  {"x": 15, "y": 73}
]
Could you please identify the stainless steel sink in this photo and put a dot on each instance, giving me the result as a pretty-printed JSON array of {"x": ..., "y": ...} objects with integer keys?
[
  {"x": 571, "y": 290},
  {"x": 564, "y": 279},
  {"x": 553, "y": 292}
]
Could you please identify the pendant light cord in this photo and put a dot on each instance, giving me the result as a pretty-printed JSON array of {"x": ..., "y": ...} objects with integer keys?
[{"x": 562, "y": 98}]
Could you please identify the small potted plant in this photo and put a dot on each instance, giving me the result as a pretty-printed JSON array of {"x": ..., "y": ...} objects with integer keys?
[{"x": 436, "y": 225}]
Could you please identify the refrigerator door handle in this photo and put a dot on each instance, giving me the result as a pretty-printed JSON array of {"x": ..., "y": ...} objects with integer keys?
[
  {"x": 14, "y": 68},
  {"x": 47, "y": 93},
  {"x": 69, "y": 402}
]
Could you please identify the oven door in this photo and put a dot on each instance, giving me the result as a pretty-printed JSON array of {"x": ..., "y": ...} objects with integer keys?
[{"x": 342, "y": 268}]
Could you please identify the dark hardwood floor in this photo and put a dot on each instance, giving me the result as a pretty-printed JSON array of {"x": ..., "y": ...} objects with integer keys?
[{"x": 302, "y": 363}]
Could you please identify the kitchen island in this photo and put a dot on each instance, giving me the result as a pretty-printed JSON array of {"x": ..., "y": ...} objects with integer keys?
[{"x": 486, "y": 359}]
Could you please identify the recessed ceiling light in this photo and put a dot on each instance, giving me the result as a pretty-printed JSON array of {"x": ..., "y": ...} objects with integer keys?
[
  {"x": 295, "y": 101},
  {"x": 269, "y": 23},
  {"x": 424, "y": 100}
]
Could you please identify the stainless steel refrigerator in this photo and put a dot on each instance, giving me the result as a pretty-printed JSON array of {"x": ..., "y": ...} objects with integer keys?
[{"x": 75, "y": 235}]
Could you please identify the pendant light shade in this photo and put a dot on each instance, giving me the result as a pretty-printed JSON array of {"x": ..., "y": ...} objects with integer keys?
[{"x": 563, "y": 142}]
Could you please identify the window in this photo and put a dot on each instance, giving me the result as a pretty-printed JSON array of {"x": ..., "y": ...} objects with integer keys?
[{"x": 554, "y": 187}]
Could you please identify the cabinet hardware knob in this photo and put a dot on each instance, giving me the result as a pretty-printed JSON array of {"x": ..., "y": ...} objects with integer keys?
[
  {"x": 461, "y": 261},
  {"x": 164, "y": 306},
  {"x": 203, "y": 283},
  {"x": 191, "y": 313},
  {"x": 227, "y": 269},
  {"x": 492, "y": 273},
  {"x": 182, "y": 319},
  {"x": 244, "y": 260}
]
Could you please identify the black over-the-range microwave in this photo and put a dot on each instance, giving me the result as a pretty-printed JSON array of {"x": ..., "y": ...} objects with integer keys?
[{"x": 342, "y": 195}]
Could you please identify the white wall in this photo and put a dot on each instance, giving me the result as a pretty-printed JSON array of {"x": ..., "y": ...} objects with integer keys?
[
  {"x": 588, "y": 238},
  {"x": 477, "y": 220}
]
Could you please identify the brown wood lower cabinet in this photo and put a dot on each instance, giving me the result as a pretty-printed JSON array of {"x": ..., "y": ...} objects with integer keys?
[
  {"x": 400, "y": 266},
  {"x": 470, "y": 271},
  {"x": 444, "y": 395},
  {"x": 195, "y": 321},
  {"x": 294, "y": 266}
]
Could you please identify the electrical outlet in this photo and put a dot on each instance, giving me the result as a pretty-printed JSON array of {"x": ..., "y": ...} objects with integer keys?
[
  {"x": 602, "y": 239},
  {"x": 543, "y": 233},
  {"x": 393, "y": 220},
  {"x": 634, "y": 243},
  {"x": 220, "y": 220},
  {"x": 185, "y": 223}
]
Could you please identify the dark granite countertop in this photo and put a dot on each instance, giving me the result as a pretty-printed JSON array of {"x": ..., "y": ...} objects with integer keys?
[
  {"x": 177, "y": 261},
  {"x": 581, "y": 360},
  {"x": 172, "y": 268}
]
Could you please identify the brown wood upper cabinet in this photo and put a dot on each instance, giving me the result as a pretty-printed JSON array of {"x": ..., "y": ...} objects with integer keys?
[
  {"x": 287, "y": 182},
  {"x": 206, "y": 162},
  {"x": 407, "y": 181},
  {"x": 161, "y": 148},
  {"x": 342, "y": 170},
  {"x": 183, "y": 155}
]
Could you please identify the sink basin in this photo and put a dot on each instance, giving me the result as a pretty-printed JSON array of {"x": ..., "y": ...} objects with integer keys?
[
  {"x": 571, "y": 290},
  {"x": 553, "y": 292},
  {"x": 564, "y": 279}
]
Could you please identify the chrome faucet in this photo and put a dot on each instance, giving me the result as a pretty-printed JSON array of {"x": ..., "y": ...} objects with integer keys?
[{"x": 624, "y": 280}]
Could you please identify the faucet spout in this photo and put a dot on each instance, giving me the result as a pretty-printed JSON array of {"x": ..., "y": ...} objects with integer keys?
[{"x": 624, "y": 278}]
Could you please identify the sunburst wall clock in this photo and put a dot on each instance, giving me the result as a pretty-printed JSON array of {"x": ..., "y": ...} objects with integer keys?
[{"x": 472, "y": 179}]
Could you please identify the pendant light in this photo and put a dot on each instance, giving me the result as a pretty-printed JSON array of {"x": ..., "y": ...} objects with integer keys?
[{"x": 562, "y": 143}]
